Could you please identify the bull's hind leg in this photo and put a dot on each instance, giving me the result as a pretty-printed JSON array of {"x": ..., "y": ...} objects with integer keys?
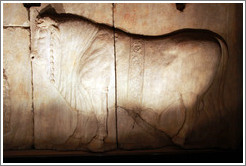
[
  {"x": 190, "y": 107},
  {"x": 100, "y": 108},
  {"x": 199, "y": 66}
]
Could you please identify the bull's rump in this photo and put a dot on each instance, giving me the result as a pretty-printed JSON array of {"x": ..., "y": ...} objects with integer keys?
[{"x": 177, "y": 66}]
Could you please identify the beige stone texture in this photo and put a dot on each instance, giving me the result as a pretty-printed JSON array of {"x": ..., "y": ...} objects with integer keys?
[
  {"x": 15, "y": 14},
  {"x": 74, "y": 82},
  {"x": 162, "y": 18},
  {"x": 97, "y": 12},
  {"x": 17, "y": 90}
]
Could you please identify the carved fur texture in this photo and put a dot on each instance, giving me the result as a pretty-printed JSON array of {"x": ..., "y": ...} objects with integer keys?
[{"x": 80, "y": 64}]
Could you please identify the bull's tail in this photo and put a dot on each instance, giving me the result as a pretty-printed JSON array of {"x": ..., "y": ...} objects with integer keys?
[{"x": 221, "y": 73}]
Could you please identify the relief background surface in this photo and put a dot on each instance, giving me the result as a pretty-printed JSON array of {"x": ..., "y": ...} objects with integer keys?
[{"x": 17, "y": 89}]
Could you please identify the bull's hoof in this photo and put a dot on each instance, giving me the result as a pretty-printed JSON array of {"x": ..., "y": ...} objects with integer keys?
[
  {"x": 178, "y": 140},
  {"x": 96, "y": 145}
]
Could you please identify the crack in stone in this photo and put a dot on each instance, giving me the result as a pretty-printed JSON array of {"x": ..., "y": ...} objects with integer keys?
[
  {"x": 32, "y": 86},
  {"x": 116, "y": 119},
  {"x": 146, "y": 126}
]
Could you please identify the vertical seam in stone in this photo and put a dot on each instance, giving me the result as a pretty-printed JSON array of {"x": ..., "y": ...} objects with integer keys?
[
  {"x": 115, "y": 74},
  {"x": 30, "y": 49},
  {"x": 129, "y": 64},
  {"x": 32, "y": 98},
  {"x": 143, "y": 72}
]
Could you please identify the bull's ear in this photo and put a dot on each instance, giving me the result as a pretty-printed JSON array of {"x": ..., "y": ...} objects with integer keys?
[
  {"x": 47, "y": 11},
  {"x": 28, "y": 5},
  {"x": 180, "y": 6}
]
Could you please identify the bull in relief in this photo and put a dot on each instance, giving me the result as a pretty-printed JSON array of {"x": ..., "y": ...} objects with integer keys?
[{"x": 162, "y": 74}]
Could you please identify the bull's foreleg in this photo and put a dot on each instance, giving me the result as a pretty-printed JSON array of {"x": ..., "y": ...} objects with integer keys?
[
  {"x": 99, "y": 100},
  {"x": 190, "y": 104}
]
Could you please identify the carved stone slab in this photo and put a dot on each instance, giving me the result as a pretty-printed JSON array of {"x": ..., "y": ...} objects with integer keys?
[
  {"x": 74, "y": 82},
  {"x": 170, "y": 89},
  {"x": 17, "y": 90},
  {"x": 15, "y": 14}
]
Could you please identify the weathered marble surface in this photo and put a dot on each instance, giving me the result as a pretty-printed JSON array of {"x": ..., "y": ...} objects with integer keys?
[
  {"x": 15, "y": 14},
  {"x": 74, "y": 82},
  {"x": 17, "y": 90}
]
